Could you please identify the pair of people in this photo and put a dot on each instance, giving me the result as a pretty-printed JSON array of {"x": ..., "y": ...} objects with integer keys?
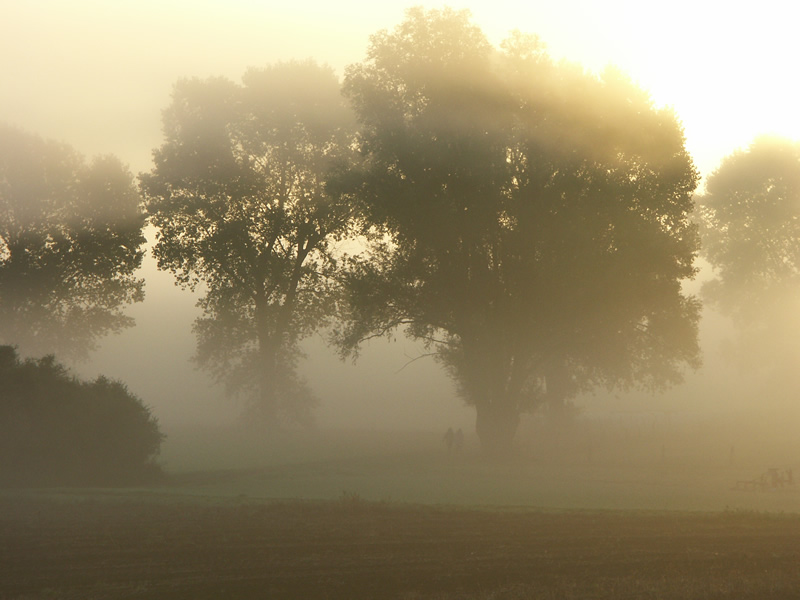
[{"x": 454, "y": 440}]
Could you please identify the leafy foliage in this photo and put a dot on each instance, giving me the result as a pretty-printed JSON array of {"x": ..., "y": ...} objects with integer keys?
[
  {"x": 70, "y": 238},
  {"x": 535, "y": 219},
  {"x": 238, "y": 194},
  {"x": 55, "y": 429},
  {"x": 750, "y": 214},
  {"x": 751, "y": 220}
]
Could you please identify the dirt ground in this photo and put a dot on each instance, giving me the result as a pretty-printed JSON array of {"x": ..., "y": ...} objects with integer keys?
[{"x": 59, "y": 546}]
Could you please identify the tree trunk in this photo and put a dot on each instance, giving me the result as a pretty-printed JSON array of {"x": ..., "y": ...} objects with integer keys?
[
  {"x": 268, "y": 349},
  {"x": 496, "y": 424},
  {"x": 268, "y": 397}
]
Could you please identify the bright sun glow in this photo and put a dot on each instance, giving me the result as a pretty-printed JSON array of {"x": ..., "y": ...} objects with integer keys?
[
  {"x": 728, "y": 69},
  {"x": 106, "y": 69}
]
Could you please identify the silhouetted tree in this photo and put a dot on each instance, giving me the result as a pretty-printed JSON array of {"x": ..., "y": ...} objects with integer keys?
[
  {"x": 70, "y": 238},
  {"x": 535, "y": 219},
  {"x": 238, "y": 194},
  {"x": 750, "y": 214},
  {"x": 751, "y": 219},
  {"x": 55, "y": 429}
]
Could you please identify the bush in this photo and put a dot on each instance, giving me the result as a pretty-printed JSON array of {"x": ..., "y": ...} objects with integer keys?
[{"x": 58, "y": 430}]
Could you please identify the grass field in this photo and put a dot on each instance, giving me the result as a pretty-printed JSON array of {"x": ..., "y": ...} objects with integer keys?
[
  {"x": 128, "y": 547},
  {"x": 394, "y": 515}
]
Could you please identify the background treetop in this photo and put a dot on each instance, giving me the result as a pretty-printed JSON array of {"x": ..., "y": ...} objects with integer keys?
[
  {"x": 750, "y": 215},
  {"x": 70, "y": 244}
]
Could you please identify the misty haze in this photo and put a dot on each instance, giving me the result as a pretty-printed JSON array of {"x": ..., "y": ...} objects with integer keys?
[{"x": 411, "y": 302}]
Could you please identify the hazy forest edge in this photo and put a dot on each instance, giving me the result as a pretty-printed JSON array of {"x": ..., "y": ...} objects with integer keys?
[{"x": 531, "y": 222}]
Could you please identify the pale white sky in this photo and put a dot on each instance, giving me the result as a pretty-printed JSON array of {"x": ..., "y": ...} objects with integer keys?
[{"x": 97, "y": 74}]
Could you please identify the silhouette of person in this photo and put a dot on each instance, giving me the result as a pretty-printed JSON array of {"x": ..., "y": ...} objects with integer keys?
[
  {"x": 449, "y": 437},
  {"x": 459, "y": 441}
]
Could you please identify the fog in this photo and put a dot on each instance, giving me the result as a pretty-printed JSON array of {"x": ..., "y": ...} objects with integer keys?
[
  {"x": 388, "y": 387},
  {"x": 97, "y": 75}
]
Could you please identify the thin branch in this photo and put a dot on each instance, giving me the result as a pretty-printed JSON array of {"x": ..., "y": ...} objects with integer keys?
[{"x": 427, "y": 354}]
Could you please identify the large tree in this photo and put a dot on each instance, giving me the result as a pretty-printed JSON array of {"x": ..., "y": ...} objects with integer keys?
[
  {"x": 534, "y": 219},
  {"x": 238, "y": 195},
  {"x": 70, "y": 243},
  {"x": 750, "y": 214}
]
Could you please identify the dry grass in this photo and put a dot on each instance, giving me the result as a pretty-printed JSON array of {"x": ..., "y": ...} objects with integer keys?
[{"x": 68, "y": 546}]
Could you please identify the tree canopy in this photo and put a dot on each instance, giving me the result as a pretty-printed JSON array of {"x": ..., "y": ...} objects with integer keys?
[
  {"x": 534, "y": 219},
  {"x": 238, "y": 194},
  {"x": 750, "y": 213},
  {"x": 751, "y": 220},
  {"x": 70, "y": 239}
]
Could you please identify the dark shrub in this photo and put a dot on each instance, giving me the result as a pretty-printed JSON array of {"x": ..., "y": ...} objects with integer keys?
[{"x": 58, "y": 430}]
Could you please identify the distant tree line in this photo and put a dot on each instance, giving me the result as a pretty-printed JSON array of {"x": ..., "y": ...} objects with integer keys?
[{"x": 531, "y": 222}]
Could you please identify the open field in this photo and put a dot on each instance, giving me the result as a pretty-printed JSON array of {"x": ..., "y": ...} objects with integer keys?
[
  {"x": 390, "y": 515},
  {"x": 91, "y": 547}
]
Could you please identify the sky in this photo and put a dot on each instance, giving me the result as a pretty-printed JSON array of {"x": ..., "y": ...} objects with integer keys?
[{"x": 97, "y": 74}]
